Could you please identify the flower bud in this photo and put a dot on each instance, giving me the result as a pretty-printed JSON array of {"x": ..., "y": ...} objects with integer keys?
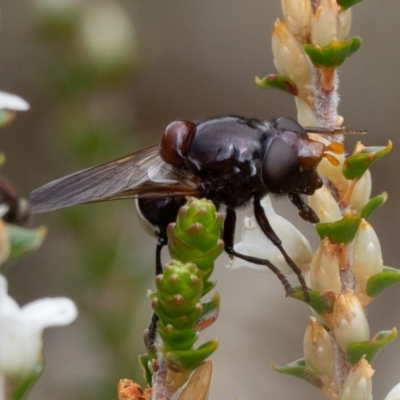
[
  {"x": 344, "y": 24},
  {"x": 297, "y": 16},
  {"x": 305, "y": 114},
  {"x": 326, "y": 207},
  {"x": 177, "y": 300},
  {"x": 256, "y": 244},
  {"x": 349, "y": 322},
  {"x": 289, "y": 56},
  {"x": 196, "y": 235},
  {"x": 324, "y": 23},
  {"x": 361, "y": 192},
  {"x": 367, "y": 256},
  {"x": 325, "y": 270},
  {"x": 318, "y": 348},
  {"x": 358, "y": 384}
]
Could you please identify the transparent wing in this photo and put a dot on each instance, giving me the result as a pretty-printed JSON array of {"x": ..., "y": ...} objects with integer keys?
[{"x": 142, "y": 174}]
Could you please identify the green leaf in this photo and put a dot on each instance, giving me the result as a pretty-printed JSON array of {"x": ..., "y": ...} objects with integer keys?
[
  {"x": 210, "y": 313},
  {"x": 371, "y": 348},
  {"x": 321, "y": 302},
  {"x": 345, "y": 4},
  {"x": 24, "y": 240},
  {"x": 299, "y": 369},
  {"x": 339, "y": 232},
  {"x": 373, "y": 205},
  {"x": 188, "y": 360},
  {"x": 176, "y": 339},
  {"x": 334, "y": 54},
  {"x": 281, "y": 82},
  {"x": 145, "y": 363},
  {"x": 379, "y": 282},
  {"x": 356, "y": 164}
]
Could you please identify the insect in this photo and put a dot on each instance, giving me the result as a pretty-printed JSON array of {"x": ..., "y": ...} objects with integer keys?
[
  {"x": 13, "y": 209},
  {"x": 230, "y": 160}
]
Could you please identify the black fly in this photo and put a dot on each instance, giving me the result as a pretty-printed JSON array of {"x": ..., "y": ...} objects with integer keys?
[{"x": 230, "y": 160}]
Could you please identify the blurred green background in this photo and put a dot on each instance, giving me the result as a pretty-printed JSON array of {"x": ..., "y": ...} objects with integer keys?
[{"x": 103, "y": 79}]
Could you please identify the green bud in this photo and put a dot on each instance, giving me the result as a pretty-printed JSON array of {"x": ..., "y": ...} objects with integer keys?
[
  {"x": 177, "y": 300},
  {"x": 196, "y": 235}
]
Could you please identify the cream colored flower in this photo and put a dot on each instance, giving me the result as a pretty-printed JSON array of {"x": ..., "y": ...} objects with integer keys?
[
  {"x": 256, "y": 244},
  {"x": 349, "y": 321},
  {"x": 358, "y": 384}
]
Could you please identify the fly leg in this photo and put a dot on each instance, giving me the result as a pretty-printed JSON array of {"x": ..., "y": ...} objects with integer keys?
[
  {"x": 305, "y": 211},
  {"x": 266, "y": 227},
  {"x": 229, "y": 239},
  {"x": 152, "y": 329}
]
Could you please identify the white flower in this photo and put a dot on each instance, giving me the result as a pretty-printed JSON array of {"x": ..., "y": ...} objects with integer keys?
[
  {"x": 12, "y": 102},
  {"x": 394, "y": 394},
  {"x": 367, "y": 258},
  {"x": 325, "y": 270},
  {"x": 21, "y": 330},
  {"x": 256, "y": 244},
  {"x": 319, "y": 352},
  {"x": 349, "y": 321},
  {"x": 298, "y": 16},
  {"x": 289, "y": 56},
  {"x": 358, "y": 383},
  {"x": 324, "y": 23}
]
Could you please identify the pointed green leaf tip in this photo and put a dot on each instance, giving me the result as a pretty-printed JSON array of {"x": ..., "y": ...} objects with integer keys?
[
  {"x": 321, "y": 302},
  {"x": 373, "y": 205},
  {"x": 370, "y": 348},
  {"x": 356, "y": 164},
  {"x": 300, "y": 370},
  {"x": 189, "y": 360},
  {"x": 281, "y": 82},
  {"x": 379, "y": 282},
  {"x": 345, "y": 4},
  {"x": 334, "y": 54},
  {"x": 339, "y": 232},
  {"x": 145, "y": 362},
  {"x": 24, "y": 240}
]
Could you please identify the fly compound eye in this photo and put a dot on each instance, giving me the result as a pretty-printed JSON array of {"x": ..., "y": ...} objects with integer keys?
[
  {"x": 281, "y": 167},
  {"x": 287, "y": 124},
  {"x": 175, "y": 142}
]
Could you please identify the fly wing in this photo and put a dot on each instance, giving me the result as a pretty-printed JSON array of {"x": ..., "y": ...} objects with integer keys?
[{"x": 142, "y": 174}]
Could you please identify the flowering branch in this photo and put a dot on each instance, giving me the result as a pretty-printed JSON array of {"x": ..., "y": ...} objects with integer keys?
[{"x": 347, "y": 270}]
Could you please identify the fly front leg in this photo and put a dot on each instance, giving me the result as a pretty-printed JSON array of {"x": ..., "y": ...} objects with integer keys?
[
  {"x": 152, "y": 329},
  {"x": 229, "y": 239},
  {"x": 305, "y": 211},
  {"x": 266, "y": 227}
]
